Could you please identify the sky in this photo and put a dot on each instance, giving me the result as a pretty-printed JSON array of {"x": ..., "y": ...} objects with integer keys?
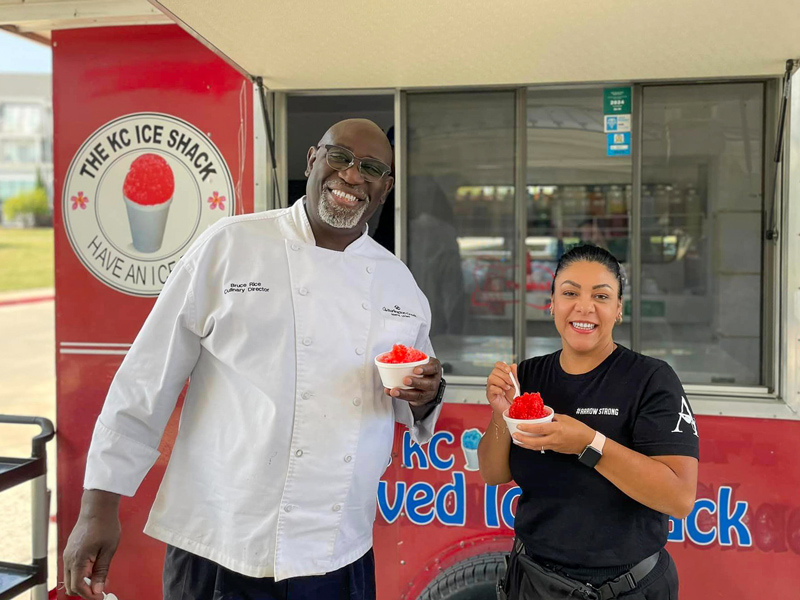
[{"x": 19, "y": 55}]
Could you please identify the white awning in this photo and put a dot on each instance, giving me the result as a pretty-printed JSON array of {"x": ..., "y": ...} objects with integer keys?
[
  {"x": 37, "y": 18},
  {"x": 348, "y": 44}
]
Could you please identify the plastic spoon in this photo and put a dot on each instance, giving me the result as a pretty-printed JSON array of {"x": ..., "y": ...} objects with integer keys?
[
  {"x": 105, "y": 596},
  {"x": 517, "y": 393}
]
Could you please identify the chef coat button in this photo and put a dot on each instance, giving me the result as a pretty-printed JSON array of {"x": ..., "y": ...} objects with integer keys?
[
  {"x": 295, "y": 246},
  {"x": 299, "y": 453},
  {"x": 305, "y": 395},
  {"x": 303, "y": 291},
  {"x": 307, "y": 341},
  {"x": 288, "y": 508},
  {"x": 348, "y": 458},
  {"x": 359, "y": 351},
  {"x": 365, "y": 305},
  {"x": 337, "y": 507},
  {"x": 356, "y": 401},
  {"x": 370, "y": 269}
]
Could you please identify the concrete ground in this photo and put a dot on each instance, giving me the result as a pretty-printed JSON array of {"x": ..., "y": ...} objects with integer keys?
[{"x": 27, "y": 387}]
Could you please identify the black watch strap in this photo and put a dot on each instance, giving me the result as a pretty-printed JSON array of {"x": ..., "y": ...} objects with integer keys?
[
  {"x": 437, "y": 400},
  {"x": 439, "y": 394}
]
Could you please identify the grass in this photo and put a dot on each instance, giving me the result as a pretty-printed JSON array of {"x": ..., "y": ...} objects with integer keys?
[{"x": 26, "y": 259}]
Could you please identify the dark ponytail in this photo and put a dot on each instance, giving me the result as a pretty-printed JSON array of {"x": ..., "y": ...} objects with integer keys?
[{"x": 589, "y": 253}]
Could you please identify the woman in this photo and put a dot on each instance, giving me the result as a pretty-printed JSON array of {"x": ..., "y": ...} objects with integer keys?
[{"x": 620, "y": 455}]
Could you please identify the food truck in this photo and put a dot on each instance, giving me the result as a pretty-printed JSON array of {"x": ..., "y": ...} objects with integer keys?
[{"x": 669, "y": 134}]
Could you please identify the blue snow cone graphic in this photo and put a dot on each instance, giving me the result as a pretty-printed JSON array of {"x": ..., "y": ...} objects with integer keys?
[
  {"x": 469, "y": 446},
  {"x": 470, "y": 439}
]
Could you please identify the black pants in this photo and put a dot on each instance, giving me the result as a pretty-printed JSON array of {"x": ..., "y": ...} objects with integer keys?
[{"x": 190, "y": 577}]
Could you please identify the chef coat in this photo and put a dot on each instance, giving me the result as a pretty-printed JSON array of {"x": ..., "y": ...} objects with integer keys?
[{"x": 285, "y": 430}]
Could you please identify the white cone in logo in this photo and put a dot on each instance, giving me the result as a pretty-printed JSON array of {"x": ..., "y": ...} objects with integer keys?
[{"x": 147, "y": 224}]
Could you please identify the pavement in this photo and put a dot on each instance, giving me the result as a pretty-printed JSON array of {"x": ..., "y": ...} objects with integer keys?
[{"x": 27, "y": 387}]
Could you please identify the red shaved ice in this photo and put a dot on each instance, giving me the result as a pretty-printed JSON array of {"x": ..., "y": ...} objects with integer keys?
[
  {"x": 528, "y": 406},
  {"x": 149, "y": 181},
  {"x": 402, "y": 354}
]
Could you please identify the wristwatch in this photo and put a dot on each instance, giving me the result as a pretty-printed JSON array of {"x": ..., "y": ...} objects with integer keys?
[
  {"x": 439, "y": 394},
  {"x": 431, "y": 406},
  {"x": 592, "y": 454}
]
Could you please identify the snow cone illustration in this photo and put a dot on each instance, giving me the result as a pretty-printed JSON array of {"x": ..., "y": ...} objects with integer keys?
[
  {"x": 469, "y": 444},
  {"x": 148, "y": 190}
]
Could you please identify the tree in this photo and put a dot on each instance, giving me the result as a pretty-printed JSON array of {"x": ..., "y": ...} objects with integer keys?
[
  {"x": 33, "y": 203},
  {"x": 40, "y": 180}
]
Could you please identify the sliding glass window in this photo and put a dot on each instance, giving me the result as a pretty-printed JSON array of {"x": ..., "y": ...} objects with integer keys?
[
  {"x": 576, "y": 194},
  {"x": 702, "y": 230},
  {"x": 460, "y": 226}
]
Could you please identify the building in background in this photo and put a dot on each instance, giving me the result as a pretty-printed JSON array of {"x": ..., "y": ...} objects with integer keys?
[{"x": 26, "y": 134}]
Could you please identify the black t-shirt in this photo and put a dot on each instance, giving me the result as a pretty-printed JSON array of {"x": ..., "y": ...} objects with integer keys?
[{"x": 570, "y": 515}]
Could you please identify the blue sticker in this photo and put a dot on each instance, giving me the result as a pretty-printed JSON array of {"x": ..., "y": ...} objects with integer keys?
[{"x": 618, "y": 144}]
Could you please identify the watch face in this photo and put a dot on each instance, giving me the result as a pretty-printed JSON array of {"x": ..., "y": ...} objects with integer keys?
[{"x": 590, "y": 457}]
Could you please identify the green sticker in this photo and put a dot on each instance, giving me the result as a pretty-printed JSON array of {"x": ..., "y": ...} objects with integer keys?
[{"x": 617, "y": 101}]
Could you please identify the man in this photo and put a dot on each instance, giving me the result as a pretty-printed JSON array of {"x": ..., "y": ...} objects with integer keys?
[{"x": 276, "y": 318}]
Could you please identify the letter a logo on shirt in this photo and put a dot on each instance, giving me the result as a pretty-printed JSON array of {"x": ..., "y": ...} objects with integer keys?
[{"x": 685, "y": 415}]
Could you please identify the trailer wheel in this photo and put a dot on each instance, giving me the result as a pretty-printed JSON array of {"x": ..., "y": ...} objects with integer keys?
[{"x": 471, "y": 579}]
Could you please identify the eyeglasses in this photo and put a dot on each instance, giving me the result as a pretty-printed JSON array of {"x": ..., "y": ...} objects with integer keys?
[{"x": 341, "y": 159}]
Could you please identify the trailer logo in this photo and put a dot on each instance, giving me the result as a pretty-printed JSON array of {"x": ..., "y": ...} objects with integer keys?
[{"x": 138, "y": 193}]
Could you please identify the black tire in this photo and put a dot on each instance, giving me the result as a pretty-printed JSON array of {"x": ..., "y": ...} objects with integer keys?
[{"x": 471, "y": 579}]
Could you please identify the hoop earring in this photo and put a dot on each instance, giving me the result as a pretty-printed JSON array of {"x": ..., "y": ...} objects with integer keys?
[{"x": 619, "y": 320}]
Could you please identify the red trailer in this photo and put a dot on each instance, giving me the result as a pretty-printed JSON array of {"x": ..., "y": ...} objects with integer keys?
[{"x": 727, "y": 321}]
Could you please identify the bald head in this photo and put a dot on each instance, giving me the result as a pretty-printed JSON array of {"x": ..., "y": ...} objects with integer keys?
[
  {"x": 339, "y": 200},
  {"x": 369, "y": 134}
]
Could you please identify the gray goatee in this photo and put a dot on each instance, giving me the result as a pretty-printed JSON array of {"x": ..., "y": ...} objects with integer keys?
[{"x": 339, "y": 216}]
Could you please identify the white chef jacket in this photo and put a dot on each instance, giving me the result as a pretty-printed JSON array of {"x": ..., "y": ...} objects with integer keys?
[{"x": 285, "y": 431}]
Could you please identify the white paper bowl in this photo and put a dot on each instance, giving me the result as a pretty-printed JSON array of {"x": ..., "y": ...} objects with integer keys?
[
  {"x": 512, "y": 423},
  {"x": 392, "y": 374}
]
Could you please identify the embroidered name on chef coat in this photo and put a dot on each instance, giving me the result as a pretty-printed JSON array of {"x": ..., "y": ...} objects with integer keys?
[
  {"x": 244, "y": 287},
  {"x": 396, "y": 311}
]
